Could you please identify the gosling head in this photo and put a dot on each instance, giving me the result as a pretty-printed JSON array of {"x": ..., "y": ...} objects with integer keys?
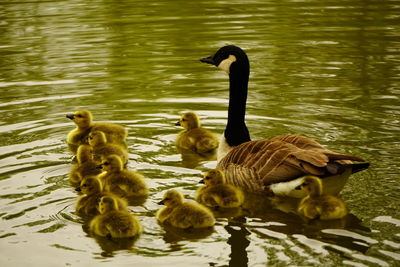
[
  {"x": 213, "y": 177},
  {"x": 189, "y": 120},
  {"x": 97, "y": 138},
  {"x": 84, "y": 153},
  {"x": 107, "y": 203},
  {"x": 231, "y": 59},
  {"x": 90, "y": 185},
  {"x": 111, "y": 163},
  {"x": 82, "y": 118},
  {"x": 172, "y": 198},
  {"x": 312, "y": 185}
]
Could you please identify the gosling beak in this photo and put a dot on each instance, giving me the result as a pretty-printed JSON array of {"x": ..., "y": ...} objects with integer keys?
[
  {"x": 208, "y": 60},
  {"x": 178, "y": 123},
  {"x": 70, "y": 116},
  {"x": 78, "y": 189},
  {"x": 201, "y": 181},
  {"x": 298, "y": 187},
  {"x": 161, "y": 202},
  {"x": 99, "y": 167}
]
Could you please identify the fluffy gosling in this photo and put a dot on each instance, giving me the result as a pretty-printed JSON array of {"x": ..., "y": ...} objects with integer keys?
[
  {"x": 120, "y": 181},
  {"x": 101, "y": 148},
  {"x": 113, "y": 222},
  {"x": 85, "y": 165},
  {"x": 318, "y": 206},
  {"x": 194, "y": 137},
  {"x": 217, "y": 193},
  {"x": 181, "y": 214}
]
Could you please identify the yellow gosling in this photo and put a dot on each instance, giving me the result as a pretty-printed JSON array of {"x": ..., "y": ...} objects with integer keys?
[
  {"x": 181, "y": 214},
  {"x": 92, "y": 190},
  {"x": 83, "y": 120},
  {"x": 114, "y": 222},
  {"x": 101, "y": 148},
  {"x": 217, "y": 193},
  {"x": 84, "y": 167},
  {"x": 317, "y": 205},
  {"x": 194, "y": 137},
  {"x": 122, "y": 182}
]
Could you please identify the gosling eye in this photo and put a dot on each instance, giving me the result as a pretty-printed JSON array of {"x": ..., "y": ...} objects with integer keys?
[
  {"x": 106, "y": 163},
  {"x": 84, "y": 185},
  {"x": 166, "y": 199},
  {"x": 79, "y": 116}
]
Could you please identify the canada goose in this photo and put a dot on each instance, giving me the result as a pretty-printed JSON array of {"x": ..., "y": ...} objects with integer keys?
[
  {"x": 317, "y": 205},
  {"x": 120, "y": 181},
  {"x": 194, "y": 137},
  {"x": 85, "y": 165},
  {"x": 84, "y": 125},
  {"x": 182, "y": 214},
  {"x": 98, "y": 142},
  {"x": 271, "y": 166},
  {"x": 114, "y": 222},
  {"x": 216, "y": 193},
  {"x": 92, "y": 190}
]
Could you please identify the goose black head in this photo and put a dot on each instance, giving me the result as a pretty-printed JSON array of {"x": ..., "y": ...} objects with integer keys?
[{"x": 229, "y": 58}]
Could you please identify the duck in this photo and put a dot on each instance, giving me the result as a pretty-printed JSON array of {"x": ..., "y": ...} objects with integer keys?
[
  {"x": 317, "y": 205},
  {"x": 114, "y": 222},
  {"x": 85, "y": 165},
  {"x": 275, "y": 166},
  {"x": 122, "y": 182},
  {"x": 194, "y": 137},
  {"x": 83, "y": 120},
  {"x": 92, "y": 189},
  {"x": 101, "y": 148},
  {"x": 216, "y": 193},
  {"x": 183, "y": 214}
]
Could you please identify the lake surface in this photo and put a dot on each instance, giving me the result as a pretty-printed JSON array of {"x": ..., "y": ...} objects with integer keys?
[{"x": 329, "y": 70}]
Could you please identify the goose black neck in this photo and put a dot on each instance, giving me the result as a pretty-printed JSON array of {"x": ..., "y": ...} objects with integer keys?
[{"x": 236, "y": 131}]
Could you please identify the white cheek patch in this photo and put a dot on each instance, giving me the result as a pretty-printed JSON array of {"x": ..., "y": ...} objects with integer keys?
[{"x": 226, "y": 63}]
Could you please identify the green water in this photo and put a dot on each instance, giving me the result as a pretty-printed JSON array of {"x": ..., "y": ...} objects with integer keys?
[{"x": 325, "y": 69}]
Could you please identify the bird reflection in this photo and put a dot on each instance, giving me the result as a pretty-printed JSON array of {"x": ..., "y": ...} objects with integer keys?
[
  {"x": 173, "y": 234},
  {"x": 282, "y": 217},
  {"x": 191, "y": 159},
  {"x": 238, "y": 242}
]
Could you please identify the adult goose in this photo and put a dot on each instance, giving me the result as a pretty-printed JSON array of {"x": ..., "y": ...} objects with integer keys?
[{"x": 278, "y": 165}]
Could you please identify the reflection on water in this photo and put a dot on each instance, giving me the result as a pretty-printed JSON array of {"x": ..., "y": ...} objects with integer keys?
[{"x": 327, "y": 70}]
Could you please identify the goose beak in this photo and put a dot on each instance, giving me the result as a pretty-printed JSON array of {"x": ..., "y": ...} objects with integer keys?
[
  {"x": 208, "y": 60},
  {"x": 201, "y": 181},
  {"x": 178, "y": 123},
  {"x": 70, "y": 116}
]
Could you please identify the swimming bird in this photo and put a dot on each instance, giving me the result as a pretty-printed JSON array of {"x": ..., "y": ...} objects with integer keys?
[
  {"x": 194, "y": 137},
  {"x": 101, "y": 148},
  {"x": 217, "y": 193},
  {"x": 317, "y": 205},
  {"x": 275, "y": 166},
  {"x": 83, "y": 120},
  {"x": 85, "y": 165},
  {"x": 92, "y": 190},
  {"x": 183, "y": 214},
  {"x": 113, "y": 221},
  {"x": 122, "y": 182}
]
